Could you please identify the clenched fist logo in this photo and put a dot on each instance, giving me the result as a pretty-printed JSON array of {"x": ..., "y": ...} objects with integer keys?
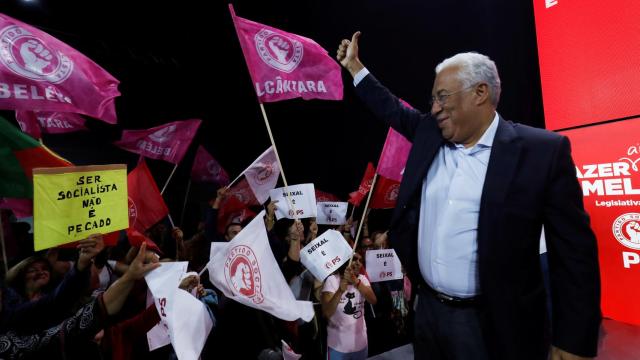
[
  {"x": 280, "y": 48},
  {"x": 279, "y": 51},
  {"x": 633, "y": 230},
  {"x": 36, "y": 57}
]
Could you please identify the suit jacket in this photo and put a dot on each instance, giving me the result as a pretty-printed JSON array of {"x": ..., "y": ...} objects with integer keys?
[{"x": 530, "y": 181}]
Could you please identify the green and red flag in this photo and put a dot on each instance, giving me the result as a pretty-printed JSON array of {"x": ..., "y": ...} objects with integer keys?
[{"x": 19, "y": 154}]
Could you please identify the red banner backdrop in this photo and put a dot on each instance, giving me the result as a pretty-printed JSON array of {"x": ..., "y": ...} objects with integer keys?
[
  {"x": 589, "y": 59},
  {"x": 607, "y": 158}
]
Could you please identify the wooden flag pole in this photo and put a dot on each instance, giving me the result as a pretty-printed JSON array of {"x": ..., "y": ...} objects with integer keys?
[
  {"x": 4, "y": 248},
  {"x": 169, "y": 179},
  {"x": 364, "y": 214},
  {"x": 275, "y": 150},
  {"x": 184, "y": 204}
]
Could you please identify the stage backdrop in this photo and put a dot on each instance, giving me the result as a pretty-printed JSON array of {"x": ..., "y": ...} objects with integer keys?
[
  {"x": 589, "y": 58},
  {"x": 607, "y": 158}
]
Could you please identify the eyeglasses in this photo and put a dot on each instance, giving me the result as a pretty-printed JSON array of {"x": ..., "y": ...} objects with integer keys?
[{"x": 441, "y": 99}]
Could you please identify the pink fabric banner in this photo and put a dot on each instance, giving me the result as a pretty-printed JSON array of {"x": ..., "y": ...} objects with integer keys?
[
  {"x": 21, "y": 208},
  {"x": 38, "y": 71},
  {"x": 207, "y": 169},
  {"x": 285, "y": 65},
  {"x": 168, "y": 142},
  {"x": 394, "y": 155},
  {"x": 50, "y": 122},
  {"x": 29, "y": 123}
]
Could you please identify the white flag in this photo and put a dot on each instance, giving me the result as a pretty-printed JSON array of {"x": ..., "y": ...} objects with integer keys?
[
  {"x": 332, "y": 213},
  {"x": 183, "y": 317},
  {"x": 297, "y": 202},
  {"x": 245, "y": 270},
  {"x": 288, "y": 353},
  {"x": 262, "y": 175},
  {"x": 325, "y": 254},
  {"x": 162, "y": 283}
]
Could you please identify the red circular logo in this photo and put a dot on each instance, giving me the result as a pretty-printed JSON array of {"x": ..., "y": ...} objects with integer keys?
[{"x": 242, "y": 273}]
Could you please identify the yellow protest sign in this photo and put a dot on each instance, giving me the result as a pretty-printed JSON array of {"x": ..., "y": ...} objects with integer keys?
[{"x": 71, "y": 203}]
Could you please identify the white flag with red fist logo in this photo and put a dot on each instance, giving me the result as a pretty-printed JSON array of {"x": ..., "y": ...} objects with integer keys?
[
  {"x": 38, "y": 71},
  {"x": 262, "y": 175},
  {"x": 245, "y": 270},
  {"x": 283, "y": 65}
]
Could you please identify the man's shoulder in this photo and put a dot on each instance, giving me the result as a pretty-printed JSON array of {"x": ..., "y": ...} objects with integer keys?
[{"x": 530, "y": 133}]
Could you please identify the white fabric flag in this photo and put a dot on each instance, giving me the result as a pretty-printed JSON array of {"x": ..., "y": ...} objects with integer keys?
[
  {"x": 332, "y": 213},
  {"x": 299, "y": 203},
  {"x": 325, "y": 254},
  {"x": 162, "y": 283},
  {"x": 189, "y": 326},
  {"x": 288, "y": 353},
  {"x": 245, "y": 270},
  {"x": 383, "y": 265},
  {"x": 184, "y": 319},
  {"x": 262, "y": 175}
]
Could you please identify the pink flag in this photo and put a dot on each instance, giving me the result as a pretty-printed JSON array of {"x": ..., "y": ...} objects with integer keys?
[
  {"x": 38, "y": 71},
  {"x": 394, "y": 156},
  {"x": 21, "y": 208},
  {"x": 51, "y": 122},
  {"x": 168, "y": 142},
  {"x": 262, "y": 175},
  {"x": 28, "y": 123},
  {"x": 394, "y": 153},
  {"x": 285, "y": 65},
  {"x": 207, "y": 169}
]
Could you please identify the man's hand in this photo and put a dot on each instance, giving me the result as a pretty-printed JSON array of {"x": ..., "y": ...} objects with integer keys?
[
  {"x": 138, "y": 268},
  {"x": 347, "y": 54},
  {"x": 89, "y": 248},
  {"x": 559, "y": 354},
  {"x": 221, "y": 194}
]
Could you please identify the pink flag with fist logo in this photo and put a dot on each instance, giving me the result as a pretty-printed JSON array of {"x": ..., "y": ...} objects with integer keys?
[
  {"x": 50, "y": 122},
  {"x": 285, "y": 65},
  {"x": 168, "y": 142},
  {"x": 207, "y": 169},
  {"x": 38, "y": 71}
]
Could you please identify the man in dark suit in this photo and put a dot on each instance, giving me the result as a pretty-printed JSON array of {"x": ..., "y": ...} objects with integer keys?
[{"x": 475, "y": 193}]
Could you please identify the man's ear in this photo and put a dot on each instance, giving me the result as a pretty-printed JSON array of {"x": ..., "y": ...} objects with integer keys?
[{"x": 482, "y": 93}]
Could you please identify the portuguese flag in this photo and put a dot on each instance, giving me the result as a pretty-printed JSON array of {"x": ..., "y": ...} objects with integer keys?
[{"x": 19, "y": 154}]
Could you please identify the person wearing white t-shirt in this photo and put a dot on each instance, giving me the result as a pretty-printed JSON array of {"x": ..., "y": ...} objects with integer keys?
[{"x": 343, "y": 297}]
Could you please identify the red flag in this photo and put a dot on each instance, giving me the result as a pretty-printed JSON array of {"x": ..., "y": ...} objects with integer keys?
[
  {"x": 49, "y": 122},
  {"x": 322, "y": 196},
  {"x": 41, "y": 72},
  {"x": 207, "y": 169},
  {"x": 284, "y": 66},
  {"x": 168, "y": 142},
  {"x": 109, "y": 239},
  {"x": 365, "y": 185},
  {"x": 146, "y": 205},
  {"x": 136, "y": 239},
  {"x": 385, "y": 194},
  {"x": 239, "y": 197}
]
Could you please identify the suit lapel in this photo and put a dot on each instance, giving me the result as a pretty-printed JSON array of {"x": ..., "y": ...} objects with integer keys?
[{"x": 503, "y": 161}]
